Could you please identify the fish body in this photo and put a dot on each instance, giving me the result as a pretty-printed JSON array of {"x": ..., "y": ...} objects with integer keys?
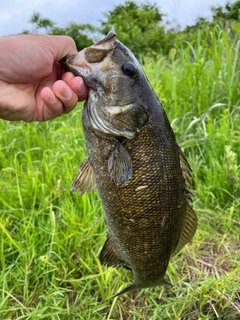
[{"x": 135, "y": 163}]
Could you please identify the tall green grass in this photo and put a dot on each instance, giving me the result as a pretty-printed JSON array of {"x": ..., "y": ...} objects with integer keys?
[{"x": 50, "y": 240}]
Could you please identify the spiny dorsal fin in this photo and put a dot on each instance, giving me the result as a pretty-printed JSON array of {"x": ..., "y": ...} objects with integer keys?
[
  {"x": 189, "y": 229},
  {"x": 186, "y": 169},
  {"x": 110, "y": 257},
  {"x": 85, "y": 179}
]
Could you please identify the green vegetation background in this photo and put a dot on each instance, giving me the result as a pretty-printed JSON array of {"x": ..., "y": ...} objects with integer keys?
[{"x": 50, "y": 241}]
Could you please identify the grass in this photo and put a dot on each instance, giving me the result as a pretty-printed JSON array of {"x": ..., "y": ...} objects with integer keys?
[{"x": 50, "y": 240}]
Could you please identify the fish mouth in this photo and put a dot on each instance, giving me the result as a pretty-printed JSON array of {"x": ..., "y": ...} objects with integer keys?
[{"x": 82, "y": 63}]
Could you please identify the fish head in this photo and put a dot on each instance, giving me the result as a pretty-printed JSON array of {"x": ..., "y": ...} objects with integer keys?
[{"x": 117, "y": 102}]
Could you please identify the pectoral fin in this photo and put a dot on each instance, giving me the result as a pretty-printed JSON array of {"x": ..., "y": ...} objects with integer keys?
[
  {"x": 85, "y": 179},
  {"x": 110, "y": 257},
  {"x": 120, "y": 165}
]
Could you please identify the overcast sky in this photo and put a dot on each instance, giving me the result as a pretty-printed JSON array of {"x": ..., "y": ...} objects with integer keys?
[{"x": 15, "y": 14}]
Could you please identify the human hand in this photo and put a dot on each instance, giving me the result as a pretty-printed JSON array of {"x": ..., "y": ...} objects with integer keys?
[{"x": 33, "y": 85}]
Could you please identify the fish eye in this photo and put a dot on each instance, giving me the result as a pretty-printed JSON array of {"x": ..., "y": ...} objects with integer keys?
[{"x": 129, "y": 69}]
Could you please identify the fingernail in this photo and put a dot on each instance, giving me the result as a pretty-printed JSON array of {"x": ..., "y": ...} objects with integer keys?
[
  {"x": 81, "y": 87},
  {"x": 65, "y": 92}
]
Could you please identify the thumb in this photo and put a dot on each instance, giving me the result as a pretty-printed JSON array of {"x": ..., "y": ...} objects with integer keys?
[{"x": 61, "y": 46}]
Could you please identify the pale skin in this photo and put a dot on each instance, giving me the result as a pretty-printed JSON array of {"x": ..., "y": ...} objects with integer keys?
[{"x": 33, "y": 85}]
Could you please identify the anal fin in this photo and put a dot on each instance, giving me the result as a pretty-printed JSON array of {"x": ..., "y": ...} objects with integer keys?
[
  {"x": 120, "y": 165},
  {"x": 85, "y": 179},
  {"x": 110, "y": 257}
]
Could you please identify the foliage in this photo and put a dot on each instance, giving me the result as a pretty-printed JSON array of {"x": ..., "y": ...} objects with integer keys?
[
  {"x": 211, "y": 31},
  {"x": 141, "y": 27},
  {"x": 81, "y": 33},
  {"x": 138, "y": 26},
  {"x": 50, "y": 241},
  {"x": 41, "y": 23},
  {"x": 231, "y": 11}
]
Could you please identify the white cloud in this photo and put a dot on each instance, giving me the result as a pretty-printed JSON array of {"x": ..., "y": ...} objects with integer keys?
[{"x": 5, "y": 17}]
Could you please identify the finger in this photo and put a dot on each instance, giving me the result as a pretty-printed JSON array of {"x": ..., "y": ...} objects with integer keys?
[
  {"x": 76, "y": 84},
  {"x": 53, "y": 107},
  {"x": 65, "y": 94},
  {"x": 67, "y": 76}
]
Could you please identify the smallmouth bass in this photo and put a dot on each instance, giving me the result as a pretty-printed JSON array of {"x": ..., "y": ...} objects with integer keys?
[{"x": 140, "y": 172}]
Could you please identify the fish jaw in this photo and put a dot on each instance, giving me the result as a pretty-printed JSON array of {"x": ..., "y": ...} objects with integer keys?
[
  {"x": 91, "y": 60},
  {"x": 75, "y": 63}
]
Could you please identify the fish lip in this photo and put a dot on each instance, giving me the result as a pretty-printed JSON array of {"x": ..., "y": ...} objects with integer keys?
[
  {"x": 64, "y": 59},
  {"x": 70, "y": 62}
]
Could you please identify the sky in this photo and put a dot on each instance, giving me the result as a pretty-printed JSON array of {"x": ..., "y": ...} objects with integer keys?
[{"x": 15, "y": 14}]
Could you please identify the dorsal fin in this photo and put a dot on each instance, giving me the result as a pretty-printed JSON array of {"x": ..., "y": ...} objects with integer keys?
[
  {"x": 85, "y": 179},
  {"x": 185, "y": 166},
  {"x": 190, "y": 222}
]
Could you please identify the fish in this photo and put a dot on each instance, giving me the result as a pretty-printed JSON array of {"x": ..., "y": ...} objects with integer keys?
[{"x": 141, "y": 174}]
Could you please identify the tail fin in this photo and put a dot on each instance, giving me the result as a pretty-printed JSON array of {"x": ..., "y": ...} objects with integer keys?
[{"x": 133, "y": 286}]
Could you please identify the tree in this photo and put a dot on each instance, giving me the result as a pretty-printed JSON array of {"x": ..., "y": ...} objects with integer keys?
[
  {"x": 138, "y": 26},
  {"x": 40, "y": 23},
  {"x": 81, "y": 33},
  {"x": 231, "y": 11}
]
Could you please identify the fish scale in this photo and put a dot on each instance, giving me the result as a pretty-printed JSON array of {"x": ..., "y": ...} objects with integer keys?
[{"x": 135, "y": 163}]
